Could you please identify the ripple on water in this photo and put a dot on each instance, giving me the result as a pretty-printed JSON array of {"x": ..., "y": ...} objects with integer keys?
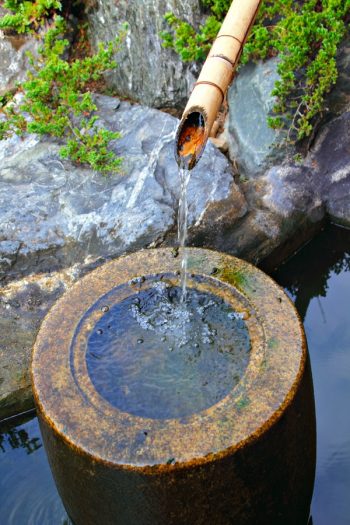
[
  {"x": 153, "y": 356},
  {"x": 28, "y": 495}
]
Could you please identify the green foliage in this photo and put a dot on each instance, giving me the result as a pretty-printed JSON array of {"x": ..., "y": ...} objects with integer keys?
[
  {"x": 188, "y": 43},
  {"x": 28, "y": 15},
  {"x": 55, "y": 100},
  {"x": 304, "y": 34}
]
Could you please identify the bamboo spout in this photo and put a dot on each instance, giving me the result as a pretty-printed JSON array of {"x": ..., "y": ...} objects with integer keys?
[{"x": 216, "y": 75}]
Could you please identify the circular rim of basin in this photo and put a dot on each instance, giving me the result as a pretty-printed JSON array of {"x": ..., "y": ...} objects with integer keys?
[{"x": 69, "y": 404}]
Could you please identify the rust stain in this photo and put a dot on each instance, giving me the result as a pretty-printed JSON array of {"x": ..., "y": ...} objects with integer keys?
[{"x": 191, "y": 140}]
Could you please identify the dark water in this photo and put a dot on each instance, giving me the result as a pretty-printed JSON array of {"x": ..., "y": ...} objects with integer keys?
[
  {"x": 318, "y": 279},
  {"x": 28, "y": 495},
  {"x": 153, "y": 356}
]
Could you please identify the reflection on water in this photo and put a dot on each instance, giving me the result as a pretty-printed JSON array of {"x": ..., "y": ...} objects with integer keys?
[
  {"x": 318, "y": 280},
  {"x": 28, "y": 495},
  {"x": 312, "y": 272},
  {"x": 18, "y": 437}
]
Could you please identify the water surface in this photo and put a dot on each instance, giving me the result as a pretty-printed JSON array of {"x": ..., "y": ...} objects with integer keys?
[
  {"x": 28, "y": 495},
  {"x": 153, "y": 355},
  {"x": 318, "y": 280}
]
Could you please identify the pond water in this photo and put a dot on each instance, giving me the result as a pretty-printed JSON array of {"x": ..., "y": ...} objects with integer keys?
[{"x": 318, "y": 280}]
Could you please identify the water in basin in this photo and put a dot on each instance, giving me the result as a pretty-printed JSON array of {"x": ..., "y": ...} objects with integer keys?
[{"x": 154, "y": 356}]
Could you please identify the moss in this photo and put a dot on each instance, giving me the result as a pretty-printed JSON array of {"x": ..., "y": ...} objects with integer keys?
[
  {"x": 243, "y": 402},
  {"x": 272, "y": 343},
  {"x": 235, "y": 277}
]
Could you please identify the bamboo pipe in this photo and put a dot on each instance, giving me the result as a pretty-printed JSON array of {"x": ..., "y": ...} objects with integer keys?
[{"x": 216, "y": 75}]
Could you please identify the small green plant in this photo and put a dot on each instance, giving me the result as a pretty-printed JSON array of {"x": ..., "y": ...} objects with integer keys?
[
  {"x": 55, "y": 100},
  {"x": 305, "y": 35},
  {"x": 28, "y": 15}
]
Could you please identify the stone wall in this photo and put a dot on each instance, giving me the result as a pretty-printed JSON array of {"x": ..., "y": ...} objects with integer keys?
[{"x": 146, "y": 72}]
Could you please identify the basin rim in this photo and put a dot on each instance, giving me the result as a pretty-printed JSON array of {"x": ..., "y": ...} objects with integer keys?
[{"x": 249, "y": 281}]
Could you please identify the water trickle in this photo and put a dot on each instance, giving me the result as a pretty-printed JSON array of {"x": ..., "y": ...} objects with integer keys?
[{"x": 182, "y": 228}]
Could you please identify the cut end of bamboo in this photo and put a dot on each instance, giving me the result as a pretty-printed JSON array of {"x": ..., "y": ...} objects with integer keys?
[
  {"x": 216, "y": 75},
  {"x": 191, "y": 137}
]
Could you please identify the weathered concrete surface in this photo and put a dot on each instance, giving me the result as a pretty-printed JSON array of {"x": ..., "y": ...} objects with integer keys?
[{"x": 146, "y": 72}]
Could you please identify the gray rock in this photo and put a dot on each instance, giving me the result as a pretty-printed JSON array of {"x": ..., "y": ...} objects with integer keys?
[
  {"x": 339, "y": 98},
  {"x": 329, "y": 160},
  {"x": 14, "y": 61},
  {"x": 253, "y": 145},
  {"x": 58, "y": 221},
  {"x": 315, "y": 187},
  {"x": 146, "y": 72},
  {"x": 23, "y": 304},
  {"x": 56, "y": 214}
]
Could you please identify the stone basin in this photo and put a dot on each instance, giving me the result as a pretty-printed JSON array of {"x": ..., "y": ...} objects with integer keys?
[{"x": 245, "y": 457}]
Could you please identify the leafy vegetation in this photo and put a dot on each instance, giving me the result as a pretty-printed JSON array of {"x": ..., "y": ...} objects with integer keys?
[
  {"x": 28, "y": 15},
  {"x": 304, "y": 34},
  {"x": 55, "y": 98}
]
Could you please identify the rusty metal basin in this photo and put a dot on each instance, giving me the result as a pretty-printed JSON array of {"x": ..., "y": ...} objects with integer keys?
[{"x": 248, "y": 459}]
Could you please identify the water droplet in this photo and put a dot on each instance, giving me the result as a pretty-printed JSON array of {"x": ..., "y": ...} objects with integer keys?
[
  {"x": 99, "y": 331},
  {"x": 105, "y": 309},
  {"x": 163, "y": 338},
  {"x": 140, "y": 341},
  {"x": 196, "y": 345}
]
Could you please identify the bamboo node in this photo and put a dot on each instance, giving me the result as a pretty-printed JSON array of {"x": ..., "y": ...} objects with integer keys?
[
  {"x": 231, "y": 36},
  {"x": 211, "y": 84},
  {"x": 226, "y": 58}
]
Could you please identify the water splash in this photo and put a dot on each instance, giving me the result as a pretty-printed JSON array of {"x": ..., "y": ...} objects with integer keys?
[
  {"x": 182, "y": 224},
  {"x": 151, "y": 357}
]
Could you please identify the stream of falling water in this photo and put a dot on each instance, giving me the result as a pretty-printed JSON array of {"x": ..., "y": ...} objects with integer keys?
[{"x": 182, "y": 228}]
